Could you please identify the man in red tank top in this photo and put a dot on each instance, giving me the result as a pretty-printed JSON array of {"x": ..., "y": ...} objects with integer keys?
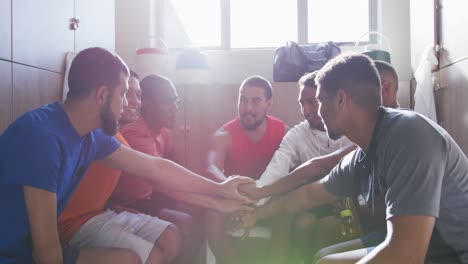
[{"x": 242, "y": 146}]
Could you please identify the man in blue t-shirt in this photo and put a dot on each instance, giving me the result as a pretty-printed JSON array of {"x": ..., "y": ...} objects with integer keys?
[
  {"x": 45, "y": 152},
  {"x": 409, "y": 170}
]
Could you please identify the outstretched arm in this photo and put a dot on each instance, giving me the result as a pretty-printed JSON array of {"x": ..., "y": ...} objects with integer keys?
[
  {"x": 309, "y": 171},
  {"x": 156, "y": 170},
  {"x": 209, "y": 202},
  {"x": 308, "y": 196}
]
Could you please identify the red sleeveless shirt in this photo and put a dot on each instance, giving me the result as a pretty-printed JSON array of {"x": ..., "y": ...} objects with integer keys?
[{"x": 247, "y": 158}]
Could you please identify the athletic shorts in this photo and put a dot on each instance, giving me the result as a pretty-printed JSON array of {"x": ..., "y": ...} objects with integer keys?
[
  {"x": 137, "y": 232},
  {"x": 70, "y": 254},
  {"x": 373, "y": 239}
]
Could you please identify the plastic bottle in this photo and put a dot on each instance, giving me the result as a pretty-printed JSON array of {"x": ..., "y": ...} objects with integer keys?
[{"x": 350, "y": 227}]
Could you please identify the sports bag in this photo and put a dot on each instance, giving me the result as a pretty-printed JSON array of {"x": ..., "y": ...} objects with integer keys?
[{"x": 292, "y": 61}]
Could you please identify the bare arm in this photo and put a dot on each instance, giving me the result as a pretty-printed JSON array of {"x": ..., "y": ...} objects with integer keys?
[
  {"x": 209, "y": 202},
  {"x": 407, "y": 241},
  {"x": 220, "y": 146},
  {"x": 308, "y": 196},
  {"x": 156, "y": 170},
  {"x": 310, "y": 171},
  {"x": 42, "y": 215}
]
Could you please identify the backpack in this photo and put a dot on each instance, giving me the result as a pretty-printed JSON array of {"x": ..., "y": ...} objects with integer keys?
[{"x": 292, "y": 61}]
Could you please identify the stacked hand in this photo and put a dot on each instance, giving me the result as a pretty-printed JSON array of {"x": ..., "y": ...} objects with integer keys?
[
  {"x": 241, "y": 219},
  {"x": 251, "y": 190},
  {"x": 228, "y": 206},
  {"x": 245, "y": 190},
  {"x": 230, "y": 189}
]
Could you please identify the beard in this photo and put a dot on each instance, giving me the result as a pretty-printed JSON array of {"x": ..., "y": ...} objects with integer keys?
[
  {"x": 109, "y": 122},
  {"x": 333, "y": 135},
  {"x": 316, "y": 123},
  {"x": 252, "y": 126}
]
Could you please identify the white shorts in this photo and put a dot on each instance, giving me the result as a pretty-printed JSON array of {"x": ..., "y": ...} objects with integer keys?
[{"x": 137, "y": 232}]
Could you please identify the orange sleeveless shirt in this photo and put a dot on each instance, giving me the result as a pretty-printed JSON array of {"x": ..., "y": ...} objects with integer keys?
[{"x": 247, "y": 158}]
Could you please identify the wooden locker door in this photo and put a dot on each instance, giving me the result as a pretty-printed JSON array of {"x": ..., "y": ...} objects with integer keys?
[
  {"x": 33, "y": 88},
  {"x": 454, "y": 31},
  {"x": 285, "y": 103},
  {"x": 97, "y": 24},
  {"x": 208, "y": 108},
  {"x": 41, "y": 33},
  {"x": 5, "y": 29},
  {"x": 5, "y": 95}
]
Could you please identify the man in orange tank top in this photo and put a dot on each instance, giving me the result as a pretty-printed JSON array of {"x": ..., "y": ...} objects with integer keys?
[
  {"x": 242, "y": 146},
  {"x": 150, "y": 134}
]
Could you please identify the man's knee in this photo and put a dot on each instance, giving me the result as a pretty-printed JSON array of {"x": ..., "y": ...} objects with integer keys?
[
  {"x": 321, "y": 254},
  {"x": 304, "y": 223},
  {"x": 182, "y": 220},
  {"x": 322, "y": 261},
  {"x": 185, "y": 224},
  {"x": 128, "y": 256},
  {"x": 170, "y": 242},
  {"x": 107, "y": 255}
]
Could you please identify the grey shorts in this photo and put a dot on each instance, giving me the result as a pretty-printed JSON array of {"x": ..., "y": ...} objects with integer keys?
[
  {"x": 137, "y": 232},
  {"x": 70, "y": 254}
]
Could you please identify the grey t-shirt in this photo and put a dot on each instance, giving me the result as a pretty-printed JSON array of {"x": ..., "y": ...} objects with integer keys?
[{"x": 413, "y": 167}]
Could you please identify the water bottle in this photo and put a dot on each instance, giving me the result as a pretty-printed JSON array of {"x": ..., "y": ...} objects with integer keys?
[{"x": 350, "y": 226}]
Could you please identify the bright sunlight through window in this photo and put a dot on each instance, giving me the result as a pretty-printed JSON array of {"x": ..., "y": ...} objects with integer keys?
[
  {"x": 266, "y": 23},
  {"x": 337, "y": 20},
  {"x": 262, "y": 23},
  {"x": 201, "y": 20}
]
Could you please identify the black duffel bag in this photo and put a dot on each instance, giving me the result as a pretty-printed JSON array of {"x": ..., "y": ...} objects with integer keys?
[{"x": 292, "y": 61}]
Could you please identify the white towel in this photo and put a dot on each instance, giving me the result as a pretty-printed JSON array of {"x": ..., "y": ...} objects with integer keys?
[
  {"x": 424, "y": 102},
  {"x": 68, "y": 60}
]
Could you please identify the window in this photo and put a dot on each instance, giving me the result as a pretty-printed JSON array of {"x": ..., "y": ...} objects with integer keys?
[
  {"x": 337, "y": 20},
  {"x": 262, "y": 23},
  {"x": 265, "y": 23},
  {"x": 199, "y": 21}
]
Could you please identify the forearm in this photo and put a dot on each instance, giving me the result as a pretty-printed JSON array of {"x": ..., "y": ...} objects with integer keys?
[
  {"x": 307, "y": 172},
  {"x": 215, "y": 173},
  {"x": 310, "y": 171},
  {"x": 388, "y": 254},
  {"x": 182, "y": 179},
  {"x": 287, "y": 204},
  {"x": 200, "y": 200},
  {"x": 306, "y": 197},
  {"x": 46, "y": 254},
  {"x": 407, "y": 240}
]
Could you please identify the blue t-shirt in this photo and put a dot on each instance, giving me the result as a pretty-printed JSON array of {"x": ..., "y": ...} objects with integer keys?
[{"x": 43, "y": 150}]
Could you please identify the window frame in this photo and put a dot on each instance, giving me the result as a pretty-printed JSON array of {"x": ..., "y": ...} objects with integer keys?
[{"x": 302, "y": 26}]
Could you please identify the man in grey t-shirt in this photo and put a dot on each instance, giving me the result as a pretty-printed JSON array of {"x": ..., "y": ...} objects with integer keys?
[{"x": 407, "y": 167}]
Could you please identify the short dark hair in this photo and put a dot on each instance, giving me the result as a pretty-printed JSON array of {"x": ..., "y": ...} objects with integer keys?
[
  {"x": 259, "y": 81},
  {"x": 355, "y": 74},
  {"x": 134, "y": 75},
  {"x": 151, "y": 85},
  {"x": 385, "y": 67},
  {"x": 307, "y": 80},
  {"x": 92, "y": 68}
]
